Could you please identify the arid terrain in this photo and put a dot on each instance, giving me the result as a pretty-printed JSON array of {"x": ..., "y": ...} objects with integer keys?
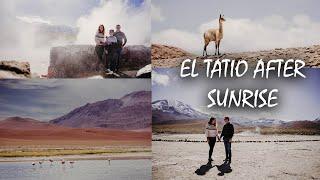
[
  {"x": 251, "y": 160},
  {"x": 164, "y": 56},
  {"x": 110, "y": 126}
]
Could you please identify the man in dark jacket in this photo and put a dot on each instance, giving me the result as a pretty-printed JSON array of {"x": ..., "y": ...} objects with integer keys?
[
  {"x": 122, "y": 41},
  {"x": 227, "y": 134}
]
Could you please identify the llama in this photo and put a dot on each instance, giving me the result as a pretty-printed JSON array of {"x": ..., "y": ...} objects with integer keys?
[{"x": 214, "y": 35}]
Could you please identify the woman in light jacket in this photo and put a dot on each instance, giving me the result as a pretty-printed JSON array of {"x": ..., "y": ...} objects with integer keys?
[
  {"x": 211, "y": 132},
  {"x": 100, "y": 40}
]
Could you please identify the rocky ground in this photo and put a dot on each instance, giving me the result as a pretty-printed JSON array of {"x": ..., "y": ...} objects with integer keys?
[
  {"x": 14, "y": 70},
  {"x": 167, "y": 52},
  {"x": 275, "y": 160},
  {"x": 172, "y": 57}
]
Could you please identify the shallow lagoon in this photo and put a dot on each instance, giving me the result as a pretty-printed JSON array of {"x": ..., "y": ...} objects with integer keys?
[{"x": 80, "y": 170}]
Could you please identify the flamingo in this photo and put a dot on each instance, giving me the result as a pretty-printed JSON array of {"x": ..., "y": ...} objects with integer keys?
[
  {"x": 51, "y": 160},
  {"x": 62, "y": 161},
  {"x": 109, "y": 161},
  {"x": 33, "y": 163}
]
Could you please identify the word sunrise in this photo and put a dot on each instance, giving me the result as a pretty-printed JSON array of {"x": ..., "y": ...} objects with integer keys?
[{"x": 243, "y": 98}]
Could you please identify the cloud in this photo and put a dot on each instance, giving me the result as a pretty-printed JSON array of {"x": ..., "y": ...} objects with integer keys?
[
  {"x": 160, "y": 79},
  {"x": 30, "y": 28},
  {"x": 48, "y": 99},
  {"x": 33, "y": 19},
  {"x": 135, "y": 22},
  {"x": 156, "y": 13},
  {"x": 184, "y": 39},
  {"x": 247, "y": 34}
]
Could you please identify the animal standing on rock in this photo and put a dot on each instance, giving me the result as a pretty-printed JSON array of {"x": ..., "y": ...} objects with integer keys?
[{"x": 215, "y": 35}]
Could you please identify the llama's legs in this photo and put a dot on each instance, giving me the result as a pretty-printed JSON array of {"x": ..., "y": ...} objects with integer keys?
[
  {"x": 215, "y": 52},
  {"x": 205, "y": 49},
  {"x": 218, "y": 47}
]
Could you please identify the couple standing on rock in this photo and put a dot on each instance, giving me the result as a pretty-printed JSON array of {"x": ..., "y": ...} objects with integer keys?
[
  {"x": 108, "y": 48},
  {"x": 212, "y": 134}
]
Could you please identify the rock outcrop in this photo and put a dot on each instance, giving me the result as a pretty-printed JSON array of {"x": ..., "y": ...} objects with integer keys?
[
  {"x": 311, "y": 56},
  {"x": 145, "y": 72},
  {"x": 14, "y": 70},
  {"x": 79, "y": 61},
  {"x": 167, "y": 52}
]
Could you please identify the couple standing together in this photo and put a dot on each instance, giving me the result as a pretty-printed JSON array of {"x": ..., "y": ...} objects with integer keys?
[
  {"x": 212, "y": 134},
  {"x": 108, "y": 48}
]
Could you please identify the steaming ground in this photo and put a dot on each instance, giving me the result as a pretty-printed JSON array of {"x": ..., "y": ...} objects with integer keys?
[
  {"x": 30, "y": 38},
  {"x": 285, "y": 160}
]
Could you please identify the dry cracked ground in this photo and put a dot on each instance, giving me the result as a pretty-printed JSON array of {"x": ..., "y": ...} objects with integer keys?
[
  {"x": 276, "y": 160},
  {"x": 167, "y": 56}
]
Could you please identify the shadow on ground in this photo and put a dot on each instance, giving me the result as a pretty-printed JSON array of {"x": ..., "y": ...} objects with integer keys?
[
  {"x": 223, "y": 168},
  {"x": 204, "y": 169}
]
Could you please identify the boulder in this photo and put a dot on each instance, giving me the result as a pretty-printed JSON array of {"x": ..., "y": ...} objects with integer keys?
[
  {"x": 145, "y": 72},
  {"x": 79, "y": 61},
  {"x": 14, "y": 70}
]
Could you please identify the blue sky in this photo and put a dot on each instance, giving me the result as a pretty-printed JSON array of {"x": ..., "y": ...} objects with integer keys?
[
  {"x": 299, "y": 99},
  {"x": 49, "y": 99},
  {"x": 136, "y": 3}
]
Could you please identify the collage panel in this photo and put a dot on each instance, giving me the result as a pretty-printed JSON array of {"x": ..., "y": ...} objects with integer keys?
[
  {"x": 75, "y": 39},
  {"x": 75, "y": 129},
  {"x": 280, "y": 142},
  {"x": 159, "y": 89},
  {"x": 235, "y": 89}
]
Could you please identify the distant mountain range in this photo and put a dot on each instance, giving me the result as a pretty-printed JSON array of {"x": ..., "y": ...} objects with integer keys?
[
  {"x": 131, "y": 112},
  {"x": 165, "y": 110},
  {"x": 170, "y": 112}
]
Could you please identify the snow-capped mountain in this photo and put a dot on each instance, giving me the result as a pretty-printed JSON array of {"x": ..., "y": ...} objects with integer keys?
[
  {"x": 243, "y": 121},
  {"x": 166, "y": 111},
  {"x": 175, "y": 110}
]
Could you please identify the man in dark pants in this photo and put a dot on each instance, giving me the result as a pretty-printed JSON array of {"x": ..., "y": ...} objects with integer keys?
[
  {"x": 227, "y": 134},
  {"x": 122, "y": 41},
  {"x": 111, "y": 51}
]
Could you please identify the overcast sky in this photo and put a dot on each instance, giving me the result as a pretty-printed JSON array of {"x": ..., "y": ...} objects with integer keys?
[
  {"x": 250, "y": 25},
  {"x": 49, "y": 99},
  {"x": 299, "y": 99}
]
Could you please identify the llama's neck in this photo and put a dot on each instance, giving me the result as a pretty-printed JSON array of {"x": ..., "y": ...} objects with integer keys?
[{"x": 220, "y": 28}]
